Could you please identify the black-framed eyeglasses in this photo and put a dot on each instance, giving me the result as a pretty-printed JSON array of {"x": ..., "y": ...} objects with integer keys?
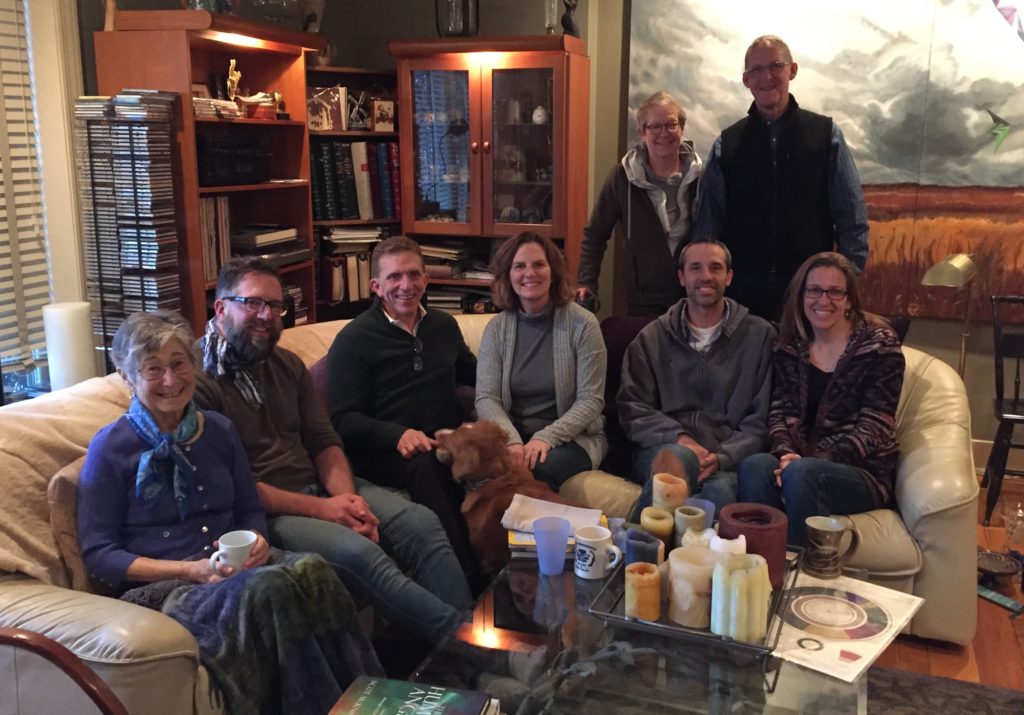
[
  {"x": 775, "y": 68},
  {"x": 815, "y": 292},
  {"x": 417, "y": 359},
  {"x": 256, "y": 305},
  {"x": 153, "y": 371},
  {"x": 671, "y": 127}
]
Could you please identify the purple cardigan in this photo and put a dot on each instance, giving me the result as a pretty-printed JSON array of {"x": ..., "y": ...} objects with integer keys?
[
  {"x": 114, "y": 529},
  {"x": 856, "y": 422}
]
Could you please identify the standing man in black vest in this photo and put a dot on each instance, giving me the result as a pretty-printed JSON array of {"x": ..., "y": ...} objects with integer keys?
[{"x": 779, "y": 186}]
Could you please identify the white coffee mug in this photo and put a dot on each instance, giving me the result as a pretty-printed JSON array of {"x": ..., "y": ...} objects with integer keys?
[
  {"x": 596, "y": 556},
  {"x": 233, "y": 549}
]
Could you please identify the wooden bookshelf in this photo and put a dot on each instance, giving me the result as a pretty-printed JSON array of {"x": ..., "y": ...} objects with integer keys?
[{"x": 171, "y": 50}]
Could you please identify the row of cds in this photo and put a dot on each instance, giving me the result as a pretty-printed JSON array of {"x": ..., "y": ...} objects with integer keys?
[{"x": 123, "y": 158}]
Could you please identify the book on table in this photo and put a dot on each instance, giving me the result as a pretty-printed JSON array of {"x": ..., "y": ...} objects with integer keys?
[{"x": 385, "y": 696}]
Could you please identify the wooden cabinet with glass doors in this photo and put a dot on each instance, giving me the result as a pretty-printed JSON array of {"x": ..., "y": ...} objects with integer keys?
[{"x": 494, "y": 137}]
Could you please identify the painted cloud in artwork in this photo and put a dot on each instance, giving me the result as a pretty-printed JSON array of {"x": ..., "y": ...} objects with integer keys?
[{"x": 922, "y": 89}]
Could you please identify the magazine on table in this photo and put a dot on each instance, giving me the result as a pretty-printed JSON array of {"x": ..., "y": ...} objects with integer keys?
[{"x": 840, "y": 626}]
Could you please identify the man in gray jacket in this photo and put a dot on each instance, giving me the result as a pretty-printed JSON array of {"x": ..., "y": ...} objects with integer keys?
[{"x": 697, "y": 379}]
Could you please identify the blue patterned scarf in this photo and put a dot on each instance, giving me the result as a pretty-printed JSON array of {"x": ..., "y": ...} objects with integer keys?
[
  {"x": 220, "y": 360},
  {"x": 166, "y": 464}
]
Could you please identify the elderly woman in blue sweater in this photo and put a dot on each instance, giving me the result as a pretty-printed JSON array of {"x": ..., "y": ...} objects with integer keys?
[{"x": 541, "y": 368}]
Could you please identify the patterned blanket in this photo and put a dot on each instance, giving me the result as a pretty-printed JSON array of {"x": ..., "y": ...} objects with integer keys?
[{"x": 282, "y": 638}]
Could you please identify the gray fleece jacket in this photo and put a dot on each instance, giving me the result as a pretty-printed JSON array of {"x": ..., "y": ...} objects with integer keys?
[
  {"x": 719, "y": 397},
  {"x": 581, "y": 362},
  {"x": 629, "y": 200}
]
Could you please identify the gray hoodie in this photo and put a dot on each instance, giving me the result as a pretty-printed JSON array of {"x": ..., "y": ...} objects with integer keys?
[
  {"x": 628, "y": 198},
  {"x": 718, "y": 397}
]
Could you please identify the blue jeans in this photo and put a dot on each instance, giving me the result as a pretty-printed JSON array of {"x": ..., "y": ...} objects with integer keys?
[
  {"x": 562, "y": 462},
  {"x": 429, "y": 601},
  {"x": 719, "y": 488},
  {"x": 810, "y": 487}
]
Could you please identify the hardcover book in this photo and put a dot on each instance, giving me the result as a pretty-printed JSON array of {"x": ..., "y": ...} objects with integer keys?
[{"x": 384, "y": 696}]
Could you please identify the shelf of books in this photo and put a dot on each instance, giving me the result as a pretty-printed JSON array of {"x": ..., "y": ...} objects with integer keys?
[
  {"x": 356, "y": 186},
  {"x": 239, "y": 163}
]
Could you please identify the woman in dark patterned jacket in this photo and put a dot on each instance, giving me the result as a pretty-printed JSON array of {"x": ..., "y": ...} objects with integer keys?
[{"x": 836, "y": 380}]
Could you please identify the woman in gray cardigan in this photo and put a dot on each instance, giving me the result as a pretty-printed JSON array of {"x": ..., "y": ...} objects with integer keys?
[{"x": 541, "y": 369}]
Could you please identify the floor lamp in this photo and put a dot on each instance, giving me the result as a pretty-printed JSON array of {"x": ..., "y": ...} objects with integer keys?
[{"x": 956, "y": 270}]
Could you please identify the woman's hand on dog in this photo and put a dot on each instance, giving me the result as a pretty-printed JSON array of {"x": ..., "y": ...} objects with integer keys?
[
  {"x": 414, "y": 442},
  {"x": 535, "y": 452},
  {"x": 351, "y": 510}
]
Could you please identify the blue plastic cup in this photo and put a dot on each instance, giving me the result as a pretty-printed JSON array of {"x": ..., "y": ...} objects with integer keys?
[{"x": 552, "y": 535}]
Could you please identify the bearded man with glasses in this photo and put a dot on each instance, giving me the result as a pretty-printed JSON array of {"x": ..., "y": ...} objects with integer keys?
[
  {"x": 650, "y": 195},
  {"x": 780, "y": 185},
  {"x": 370, "y": 536}
]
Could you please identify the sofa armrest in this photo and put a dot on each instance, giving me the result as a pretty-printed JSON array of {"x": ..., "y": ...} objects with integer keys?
[
  {"x": 936, "y": 473},
  {"x": 94, "y": 628}
]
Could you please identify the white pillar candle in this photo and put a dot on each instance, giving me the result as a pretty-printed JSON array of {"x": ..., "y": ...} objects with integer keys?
[
  {"x": 740, "y": 595},
  {"x": 669, "y": 491},
  {"x": 728, "y": 546},
  {"x": 689, "y": 600}
]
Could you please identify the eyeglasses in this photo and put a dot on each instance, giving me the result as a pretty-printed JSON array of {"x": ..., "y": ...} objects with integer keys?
[
  {"x": 815, "y": 292},
  {"x": 670, "y": 127},
  {"x": 775, "y": 68},
  {"x": 153, "y": 371},
  {"x": 417, "y": 360},
  {"x": 256, "y": 305}
]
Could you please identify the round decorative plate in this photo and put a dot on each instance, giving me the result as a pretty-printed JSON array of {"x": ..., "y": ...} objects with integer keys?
[{"x": 835, "y": 614}]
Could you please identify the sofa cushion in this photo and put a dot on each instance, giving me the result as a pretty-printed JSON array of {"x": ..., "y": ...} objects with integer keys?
[
  {"x": 884, "y": 547},
  {"x": 62, "y": 496},
  {"x": 37, "y": 438},
  {"x": 614, "y": 496}
]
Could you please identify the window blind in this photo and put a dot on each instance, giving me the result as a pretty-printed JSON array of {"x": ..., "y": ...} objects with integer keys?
[{"x": 24, "y": 272}]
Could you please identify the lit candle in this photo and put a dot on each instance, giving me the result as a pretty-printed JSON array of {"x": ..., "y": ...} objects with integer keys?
[
  {"x": 669, "y": 491},
  {"x": 689, "y": 598},
  {"x": 659, "y": 523},
  {"x": 643, "y": 592}
]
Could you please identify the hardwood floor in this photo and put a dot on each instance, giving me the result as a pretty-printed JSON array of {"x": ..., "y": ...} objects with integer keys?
[{"x": 996, "y": 656}]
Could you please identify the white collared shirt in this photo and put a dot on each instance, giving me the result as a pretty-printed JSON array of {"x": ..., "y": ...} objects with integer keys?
[{"x": 415, "y": 326}]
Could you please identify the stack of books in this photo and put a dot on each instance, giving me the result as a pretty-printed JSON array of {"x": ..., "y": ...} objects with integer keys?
[
  {"x": 444, "y": 260},
  {"x": 206, "y": 107},
  {"x": 258, "y": 236},
  {"x": 345, "y": 262},
  {"x": 301, "y": 310}
]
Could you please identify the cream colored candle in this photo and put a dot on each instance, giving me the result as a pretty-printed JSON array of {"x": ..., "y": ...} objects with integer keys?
[
  {"x": 740, "y": 596},
  {"x": 658, "y": 522},
  {"x": 668, "y": 491},
  {"x": 643, "y": 591},
  {"x": 728, "y": 546},
  {"x": 689, "y": 598}
]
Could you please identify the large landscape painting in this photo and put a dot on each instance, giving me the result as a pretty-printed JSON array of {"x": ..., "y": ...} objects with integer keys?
[{"x": 930, "y": 97}]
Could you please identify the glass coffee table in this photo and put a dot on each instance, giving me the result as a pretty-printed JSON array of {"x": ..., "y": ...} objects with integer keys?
[{"x": 531, "y": 642}]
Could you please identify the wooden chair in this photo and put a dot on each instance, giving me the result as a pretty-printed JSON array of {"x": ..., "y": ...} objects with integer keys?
[
  {"x": 90, "y": 683},
  {"x": 1009, "y": 408}
]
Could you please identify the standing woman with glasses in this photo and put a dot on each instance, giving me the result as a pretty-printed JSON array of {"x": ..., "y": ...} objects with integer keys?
[
  {"x": 836, "y": 380},
  {"x": 652, "y": 194}
]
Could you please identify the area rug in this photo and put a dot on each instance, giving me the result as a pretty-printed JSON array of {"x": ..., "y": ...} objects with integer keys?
[{"x": 897, "y": 692}]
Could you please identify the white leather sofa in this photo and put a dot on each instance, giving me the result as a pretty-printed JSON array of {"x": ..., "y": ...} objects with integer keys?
[{"x": 151, "y": 662}]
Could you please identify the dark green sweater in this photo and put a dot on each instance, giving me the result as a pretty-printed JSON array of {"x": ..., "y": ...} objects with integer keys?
[{"x": 373, "y": 391}]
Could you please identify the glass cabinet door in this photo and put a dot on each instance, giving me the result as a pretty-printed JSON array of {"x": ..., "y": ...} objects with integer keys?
[
  {"x": 522, "y": 156},
  {"x": 441, "y": 145}
]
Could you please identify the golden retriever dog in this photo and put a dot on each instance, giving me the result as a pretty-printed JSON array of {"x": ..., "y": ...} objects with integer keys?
[{"x": 480, "y": 463}]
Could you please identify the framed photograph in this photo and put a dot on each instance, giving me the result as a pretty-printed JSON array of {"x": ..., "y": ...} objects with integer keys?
[
  {"x": 200, "y": 90},
  {"x": 383, "y": 115}
]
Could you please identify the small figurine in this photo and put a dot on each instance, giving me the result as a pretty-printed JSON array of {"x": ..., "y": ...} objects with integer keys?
[
  {"x": 568, "y": 24},
  {"x": 232, "y": 82}
]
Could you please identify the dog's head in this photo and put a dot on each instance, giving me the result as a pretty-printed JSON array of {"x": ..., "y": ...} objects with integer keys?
[{"x": 479, "y": 451}]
